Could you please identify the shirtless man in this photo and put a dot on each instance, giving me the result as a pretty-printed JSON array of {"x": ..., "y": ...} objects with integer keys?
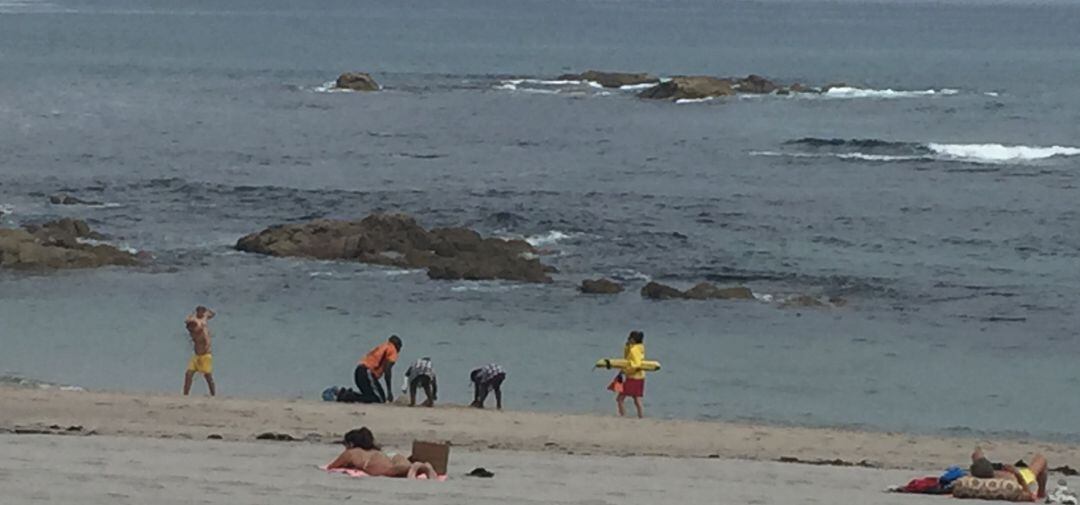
[
  {"x": 202, "y": 362},
  {"x": 1031, "y": 476}
]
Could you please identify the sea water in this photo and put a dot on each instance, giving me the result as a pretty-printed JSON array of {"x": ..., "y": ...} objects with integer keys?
[{"x": 935, "y": 192}]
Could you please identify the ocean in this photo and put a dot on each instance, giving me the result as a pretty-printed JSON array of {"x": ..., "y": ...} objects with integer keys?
[{"x": 936, "y": 194}]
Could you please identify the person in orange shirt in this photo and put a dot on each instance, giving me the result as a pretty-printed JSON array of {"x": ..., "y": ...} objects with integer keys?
[{"x": 379, "y": 362}]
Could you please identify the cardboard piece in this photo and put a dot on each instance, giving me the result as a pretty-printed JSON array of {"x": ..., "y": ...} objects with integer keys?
[{"x": 436, "y": 453}]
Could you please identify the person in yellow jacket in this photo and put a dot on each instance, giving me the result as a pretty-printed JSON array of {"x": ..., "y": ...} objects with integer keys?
[{"x": 634, "y": 377}]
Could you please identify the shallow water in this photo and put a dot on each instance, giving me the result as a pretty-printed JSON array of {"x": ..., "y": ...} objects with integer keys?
[{"x": 941, "y": 204}]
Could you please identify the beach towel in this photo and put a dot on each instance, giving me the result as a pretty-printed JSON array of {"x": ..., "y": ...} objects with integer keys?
[
  {"x": 990, "y": 489},
  {"x": 924, "y": 485},
  {"x": 352, "y": 472}
]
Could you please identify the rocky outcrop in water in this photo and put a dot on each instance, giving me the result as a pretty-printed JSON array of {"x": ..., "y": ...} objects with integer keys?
[
  {"x": 703, "y": 86},
  {"x": 702, "y": 291},
  {"x": 397, "y": 240},
  {"x": 755, "y": 84},
  {"x": 56, "y": 245},
  {"x": 356, "y": 81},
  {"x": 690, "y": 88},
  {"x": 611, "y": 79},
  {"x": 64, "y": 199},
  {"x": 600, "y": 287}
]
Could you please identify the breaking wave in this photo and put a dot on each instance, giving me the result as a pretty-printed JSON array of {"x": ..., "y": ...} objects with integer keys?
[
  {"x": 12, "y": 380},
  {"x": 851, "y": 92},
  {"x": 891, "y": 151},
  {"x": 549, "y": 238}
]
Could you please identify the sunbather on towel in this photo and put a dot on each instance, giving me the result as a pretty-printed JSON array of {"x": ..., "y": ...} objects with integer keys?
[
  {"x": 1032, "y": 476},
  {"x": 362, "y": 454}
]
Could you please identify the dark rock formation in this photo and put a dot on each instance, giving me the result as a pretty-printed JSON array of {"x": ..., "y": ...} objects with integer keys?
[
  {"x": 657, "y": 291},
  {"x": 600, "y": 287},
  {"x": 611, "y": 79},
  {"x": 356, "y": 81},
  {"x": 397, "y": 240},
  {"x": 755, "y": 84},
  {"x": 689, "y": 87},
  {"x": 55, "y": 245}
]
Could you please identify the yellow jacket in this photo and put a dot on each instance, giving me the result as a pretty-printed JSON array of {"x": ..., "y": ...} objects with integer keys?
[{"x": 634, "y": 354}]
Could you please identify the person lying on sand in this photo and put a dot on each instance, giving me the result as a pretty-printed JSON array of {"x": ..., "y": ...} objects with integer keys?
[
  {"x": 421, "y": 375},
  {"x": 1032, "y": 476},
  {"x": 361, "y": 453}
]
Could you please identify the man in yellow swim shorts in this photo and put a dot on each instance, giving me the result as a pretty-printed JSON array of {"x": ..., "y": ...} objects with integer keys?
[
  {"x": 198, "y": 328},
  {"x": 1032, "y": 476}
]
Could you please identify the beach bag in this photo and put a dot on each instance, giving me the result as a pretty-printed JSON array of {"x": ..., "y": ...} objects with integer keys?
[{"x": 616, "y": 385}]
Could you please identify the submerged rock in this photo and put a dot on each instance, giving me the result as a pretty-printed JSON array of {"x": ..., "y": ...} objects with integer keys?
[
  {"x": 808, "y": 301},
  {"x": 701, "y": 291},
  {"x": 600, "y": 287},
  {"x": 56, "y": 245},
  {"x": 611, "y": 79},
  {"x": 397, "y": 240},
  {"x": 689, "y": 87},
  {"x": 63, "y": 199},
  {"x": 707, "y": 291},
  {"x": 356, "y": 81}
]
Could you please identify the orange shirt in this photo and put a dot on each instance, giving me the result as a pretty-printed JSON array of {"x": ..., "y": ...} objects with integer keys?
[{"x": 379, "y": 356}]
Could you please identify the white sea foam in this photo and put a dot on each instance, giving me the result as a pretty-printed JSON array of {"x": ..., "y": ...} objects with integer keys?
[
  {"x": 541, "y": 82},
  {"x": 993, "y": 94},
  {"x": 637, "y": 87},
  {"x": 483, "y": 287},
  {"x": 849, "y": 92},
  {"x": 122, "y": 247},
  {"x": 17, "y": 380},
  {"x": 629, "y": 274},
  {"x": 7, "y": 209},
  {"x": 998, "y": 153},
  {"x": 694, "y": 100},
  {"x": 331, "y": 87},
  {"x": 549, "y": 238},
  {"x": 843, "y": 156}
]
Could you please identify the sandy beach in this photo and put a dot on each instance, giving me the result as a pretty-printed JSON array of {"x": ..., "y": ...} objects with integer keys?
[{"x": 144, "y": 448}]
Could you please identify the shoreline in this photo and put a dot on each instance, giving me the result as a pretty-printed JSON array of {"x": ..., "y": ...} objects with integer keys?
[{"x": 160, "y": 416}]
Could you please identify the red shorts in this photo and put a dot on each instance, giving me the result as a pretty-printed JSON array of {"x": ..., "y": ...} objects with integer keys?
[{"x": 634, "y": 387}]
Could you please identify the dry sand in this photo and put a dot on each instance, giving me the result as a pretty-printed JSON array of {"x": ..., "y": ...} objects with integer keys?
[{"x": 154, "y": 449}]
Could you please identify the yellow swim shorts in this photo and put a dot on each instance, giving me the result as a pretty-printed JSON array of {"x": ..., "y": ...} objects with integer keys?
[{"x": 202, "y": 363}]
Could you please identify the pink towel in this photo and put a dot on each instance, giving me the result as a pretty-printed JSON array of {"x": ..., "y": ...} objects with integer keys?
[{"x": 352, "y": 472}]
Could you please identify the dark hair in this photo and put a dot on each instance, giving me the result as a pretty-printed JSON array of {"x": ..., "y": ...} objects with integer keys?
[
  {"x": 474, "y": 375},
  {"x": 396, "y": 341},
  {"x": 201, "y": 308},
  {"x": 637, "y": 337},
  {"x": 361, "y": 438}
]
